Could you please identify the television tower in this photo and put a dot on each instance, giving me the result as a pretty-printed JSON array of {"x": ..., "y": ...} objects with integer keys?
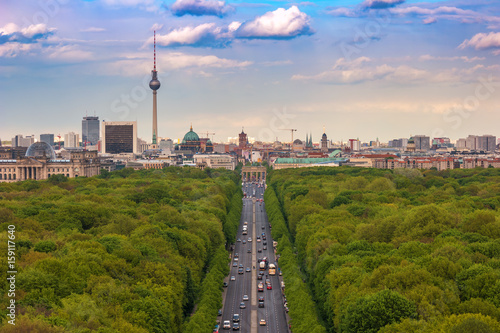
[{"x": 154, "y": 84}]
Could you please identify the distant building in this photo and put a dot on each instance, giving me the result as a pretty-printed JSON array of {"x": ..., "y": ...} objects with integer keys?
[
  {"x": 20, "y": 141},
  {"x": 242, "y": 139},
  {"x": 40, "y": 163},
  {"x": 215, "y": 161},
  {"x": 354, "y": 145},
  {"x": 48, "y": 138},
  {"x": 90, "y": 131},
  {"x": 166, "y": 144},
  {"x": 475, "y": 142},
  {"x": 119, "y": 137},
  {"x": 422, "y": 142},
  {"x": 324, "y": 142},
  {"x": 71, "y": 140}
]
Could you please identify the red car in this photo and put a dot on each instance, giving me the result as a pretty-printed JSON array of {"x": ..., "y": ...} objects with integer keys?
[{"x": 269, "y": 287}]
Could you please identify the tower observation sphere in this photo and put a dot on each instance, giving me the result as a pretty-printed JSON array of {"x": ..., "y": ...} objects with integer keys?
[{"x": 154, "y": 84}]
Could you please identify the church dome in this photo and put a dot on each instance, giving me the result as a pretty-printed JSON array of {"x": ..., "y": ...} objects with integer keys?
[
  {"x": 190, "y": 136},
  {"x": 411, "y": 140},
  {"x": 323, "y": 136},
  {"x": 297, "y": 142},
  {"x": 41, "y": 149}
]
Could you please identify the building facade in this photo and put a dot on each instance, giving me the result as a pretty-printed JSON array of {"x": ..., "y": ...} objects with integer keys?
[
  {"x": 48, "y": 138},
  {"x": 90, "y": 131},
  {"x": 71, "y": 140},
  {"x": 119, "y": 137},
  {"x": 40, "y": 163}
]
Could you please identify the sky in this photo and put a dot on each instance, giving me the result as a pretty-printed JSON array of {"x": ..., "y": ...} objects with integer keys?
[{"x": 355, "y": 69}]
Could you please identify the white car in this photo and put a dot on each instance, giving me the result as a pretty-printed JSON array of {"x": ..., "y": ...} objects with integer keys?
[
  {"x": 249, "y": 239},
  {"x": 226, "y": 325},
  {"x": 245, "y": 297}
]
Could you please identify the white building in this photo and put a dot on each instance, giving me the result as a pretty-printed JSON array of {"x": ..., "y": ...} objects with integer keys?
[
  {"x": 215, "y": 161},
  {"x": 71, "y": 140}
]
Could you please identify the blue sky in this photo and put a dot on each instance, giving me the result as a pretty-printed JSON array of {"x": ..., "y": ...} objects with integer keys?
[{"x": 362, "y": 69}]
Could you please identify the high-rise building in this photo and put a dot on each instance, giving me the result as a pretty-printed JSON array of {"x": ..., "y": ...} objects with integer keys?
[
  {"x": 324, "y": 142},
  {"x": 354, "y": 144},
  {"x": 154, "y": 84},
  {"x": 71, "y": 140},
  {"x": 90, "y": 131},
  {"x": 48, "y": 138},
  {"x": 422, "y": 142},
  {"x": 486, "y": 143},
  {"x": 119, "y": 137},
  {"x": 242, "y": 139}
]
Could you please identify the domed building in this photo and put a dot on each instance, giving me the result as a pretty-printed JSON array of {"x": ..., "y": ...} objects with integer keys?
[
  {"x": 40, "y": 163},
  {"x": 191, "y": 142},
  {"x": 41, "y": 150},
  {"x": 410, "y": 147}
]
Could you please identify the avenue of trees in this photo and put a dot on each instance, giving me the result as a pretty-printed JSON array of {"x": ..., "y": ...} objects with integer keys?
[
  {"x": 127, "y": 251},
  {"x": 389, "y": 251}
]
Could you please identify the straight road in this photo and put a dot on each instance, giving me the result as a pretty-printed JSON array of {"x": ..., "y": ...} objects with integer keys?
[{"x": 247, "y": 250}]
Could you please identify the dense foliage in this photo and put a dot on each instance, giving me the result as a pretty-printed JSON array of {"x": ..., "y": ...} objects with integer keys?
[
  {"x": 395, "y": 251},
  {"x": 128, "y": 251}
]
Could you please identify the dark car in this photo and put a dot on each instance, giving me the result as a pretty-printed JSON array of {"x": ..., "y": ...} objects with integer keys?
[
  {"x": 249, "y": 250},
  {"x": 259, "y": 277},
  {"x": 219, "y": 313},
  {"x": 261, "y": 304},
  {"x": 264, "y": 243},
  {"x": 224, "y": 284},
  {"x": 240, "y": 270},
  {"x": 236, "y": 326},
  {"x": 261, "y": 298},
  {"x": 259, "y": 250}
]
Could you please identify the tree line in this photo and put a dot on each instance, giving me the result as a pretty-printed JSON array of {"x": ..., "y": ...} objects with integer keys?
[
  {"x": 392, "y": 251},
  {"x": 126, "y": 251}
]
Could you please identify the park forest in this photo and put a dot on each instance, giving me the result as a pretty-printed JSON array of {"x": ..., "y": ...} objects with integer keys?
[
  {"x": 127, "y": 251},
  {"x": 388, "y": 251}
]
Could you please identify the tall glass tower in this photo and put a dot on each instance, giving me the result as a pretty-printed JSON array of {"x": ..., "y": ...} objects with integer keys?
[{"x": 90, "y": 131}]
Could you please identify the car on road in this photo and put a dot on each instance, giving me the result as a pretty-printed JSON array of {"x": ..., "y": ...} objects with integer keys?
[
  {"x": 233, "y": 278},
  {"x": 242, "y": 305},
  {"x": 240, "y": 270},
  {"x": 236, "y": 258},
  {"x": 259, "y": 250},
  {"x": 225, "y": 284},
  {"x": 264, "y": 243},
  {"x": 268, "y": 281},
  {"x": 236, "y": 326},
  {"x": 261, "y": 304},
  {"x": 258, "y": 240},
  {"x": 248, "y": 269},
  {"x": 226, "y": 325},
  {"x": 245, "y": 297},
  {"x": 261, "y": 298},
  {"x": 262, "y": 322},
  {"x": 219, "y": 313},
  {"x": 236, "y": 317},
  {"x": 249, "y": 239},
  {"x": 235, "y": 264},
  {"x": 259, "y": 277},
  {"x": 264, "y": 248},
  {"x": 269, "y": 286},
  {"x": 238, "y": 240},
  {"x": 244, "y": 241},
  {"x": 249, "y": 250},
  {"x": 260, "y": 287},
  {"x": 263, "y": 227},
  {"x": 236, "y": 255},
  {"x": 241, "y": 265},
  {"x": 245, "y": 223}
]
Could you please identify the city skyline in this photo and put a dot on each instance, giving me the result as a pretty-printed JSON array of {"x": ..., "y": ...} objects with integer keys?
[{"x": 367, "y": 69}]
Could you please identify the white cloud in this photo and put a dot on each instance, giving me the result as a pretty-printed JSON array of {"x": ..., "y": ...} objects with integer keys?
[
  {"x": 363, "y": 70},
  {"x": 379, "y": 4},
  {"x": 278, "y": 24},
  {"x": 93, "y": 29},
  {"x": 12, "y": 33},
  {"x": 343, "y": 11},
  {"x": 68, "y": 53},
  {"x": 426, "y": 57},
  {"x": 11, "y": 50},
  {"x": 206, "y": 34},
  {"x": 156, "y": 27},
  {"x": 137, "y": 65},
  {"x": 201, "y": 7},
  {"x": 482, "y": 41}
]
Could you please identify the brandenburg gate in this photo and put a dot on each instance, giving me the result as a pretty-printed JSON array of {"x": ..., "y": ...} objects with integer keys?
[{"x": 253, "y": 173}]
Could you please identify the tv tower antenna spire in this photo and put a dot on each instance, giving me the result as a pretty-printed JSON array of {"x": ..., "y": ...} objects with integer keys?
[{"x": 154, "y": 84}]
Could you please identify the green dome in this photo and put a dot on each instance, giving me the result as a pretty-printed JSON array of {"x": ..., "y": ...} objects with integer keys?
[
  {"x": 190, "y": 136},
  {"x": 411, "y": 140}
]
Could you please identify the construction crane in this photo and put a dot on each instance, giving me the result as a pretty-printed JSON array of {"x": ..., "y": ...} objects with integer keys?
[
  {"x": 291, "y": 130},
  {"x": 207, "y": 132}
]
